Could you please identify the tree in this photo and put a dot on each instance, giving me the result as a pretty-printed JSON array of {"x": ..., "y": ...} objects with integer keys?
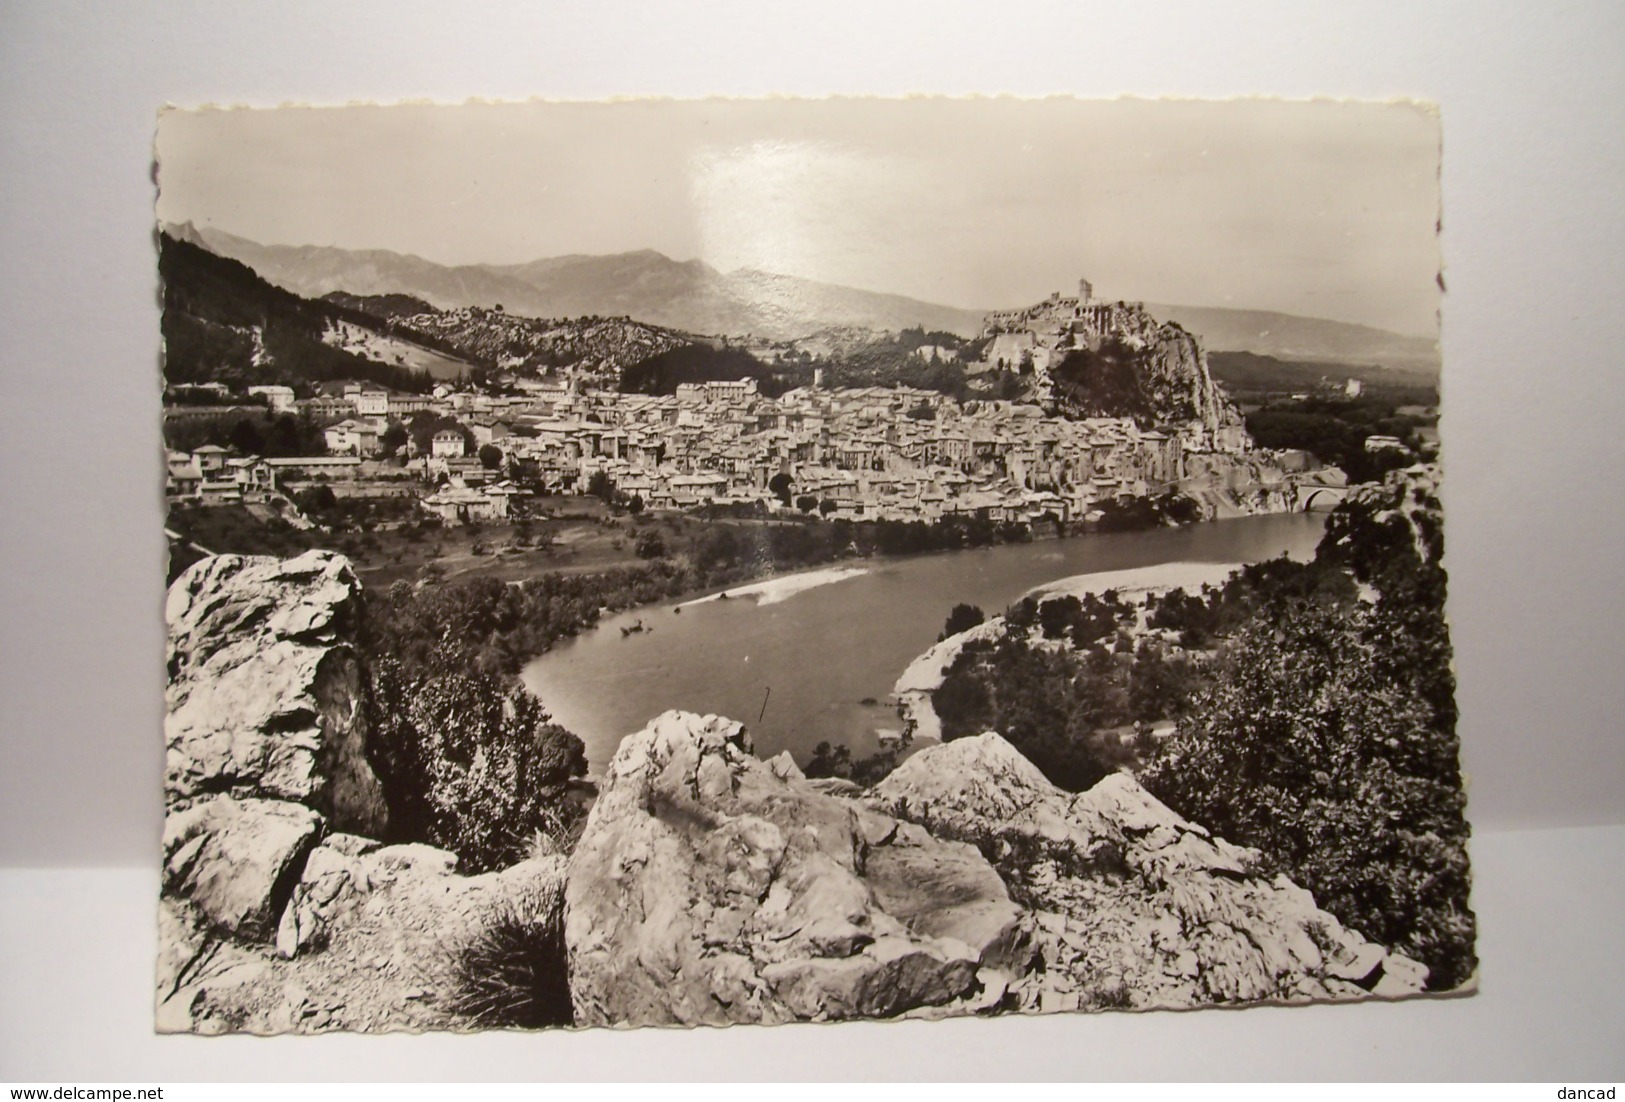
[
  {"x": 826, "y": 507},
  {"x": 468, "y": 766},
  {"x": 246, "y": 438},
  {"x": 962, "y": 618},
  {"x": 829, "y": 761},
  {"x": 1158, "y": 685},
  {"x": 1311, "y": 744},
  {"x": 650, "y": 546},
  {"x": 806, "y": 503},
  {"x": 780, "y": 485},
  {"x": 423, "y": 425},
  {"x": 1057, "y": 615},
  {"x": 394, "y": 438},
  {"x": 490, "y": 457},
  {"x": 601, "y": 486},
  {"x": 316, "y": 499}
]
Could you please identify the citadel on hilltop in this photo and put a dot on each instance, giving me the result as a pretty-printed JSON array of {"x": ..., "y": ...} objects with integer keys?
[{"x": 1171, "y": 366}]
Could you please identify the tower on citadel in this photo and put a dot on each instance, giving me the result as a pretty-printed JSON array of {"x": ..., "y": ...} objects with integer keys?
[{"x": 1086, "y": 292}]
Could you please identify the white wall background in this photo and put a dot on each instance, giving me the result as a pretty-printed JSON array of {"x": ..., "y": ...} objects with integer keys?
[{"x": 1532, "y": 100}]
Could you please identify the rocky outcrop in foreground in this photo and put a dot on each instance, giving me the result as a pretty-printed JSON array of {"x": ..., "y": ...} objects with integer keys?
[
  {"x": 709, "y": 887},
  {"x": 280, "y": 909},
  {"x": 1132, "y": 905},
  {"x": 265, "y": 693}
]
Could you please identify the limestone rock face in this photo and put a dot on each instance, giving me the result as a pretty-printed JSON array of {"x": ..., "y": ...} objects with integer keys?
[
  {"x": 238, "y": 860},
  {"x": 1134, "y": 906},
  {"x": 1171, "y": 370},
  {"x": 709, "y": 887},
  {"x": 279, "y": 913},
  {"x": 265, "y": 695}
]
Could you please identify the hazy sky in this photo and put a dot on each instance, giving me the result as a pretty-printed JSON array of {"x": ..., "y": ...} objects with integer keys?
[{"x": 1323, "y": 209}]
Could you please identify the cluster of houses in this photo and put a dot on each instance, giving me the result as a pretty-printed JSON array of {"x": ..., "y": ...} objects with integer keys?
[{"x": 860, "y": 454}]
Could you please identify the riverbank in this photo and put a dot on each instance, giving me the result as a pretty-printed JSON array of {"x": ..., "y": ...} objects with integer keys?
[
  {"x": 781, "y": 587},
  {"x": 924, "y": 675},
  {"x": 832, "y": 653}
]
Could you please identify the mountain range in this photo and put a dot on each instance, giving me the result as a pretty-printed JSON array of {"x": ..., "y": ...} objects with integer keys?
[{"x": 693, "y": 296}]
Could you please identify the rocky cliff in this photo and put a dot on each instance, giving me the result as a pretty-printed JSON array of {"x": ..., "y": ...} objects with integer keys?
[
  {"x": 1131, "y": 905},
  {"x": 281, "y": 910},
  {"x": 1114, "y": 359},
  {"x": 266, "y": 696},
  {"x": 708, "y": 887}
]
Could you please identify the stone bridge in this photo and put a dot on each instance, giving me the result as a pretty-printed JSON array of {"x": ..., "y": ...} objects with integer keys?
[{"x": 1309, "y": 496}]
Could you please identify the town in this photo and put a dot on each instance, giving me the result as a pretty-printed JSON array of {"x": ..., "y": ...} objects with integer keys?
[
  {"x": 873, "y": 453},
  {"x": 471, "y": 454}
]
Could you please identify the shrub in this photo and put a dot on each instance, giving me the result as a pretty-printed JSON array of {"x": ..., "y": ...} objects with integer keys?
[
  {"x": 1048, "y": 705},
  {"x": 511, "y": 972},
  {"x": 469, "y": 766},
  {"x": 962, "y": 618}
]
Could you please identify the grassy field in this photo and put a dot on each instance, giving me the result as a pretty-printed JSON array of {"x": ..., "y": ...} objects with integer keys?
[{"x": 560, "y": 535}]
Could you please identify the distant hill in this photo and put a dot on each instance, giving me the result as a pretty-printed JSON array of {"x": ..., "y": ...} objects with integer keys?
[
  {"x": 223, "y": 323},
  {"x": 1292, "y": 338},
  {"x": 648, "y": 286},
  {"x": 1248, "y": 372},
  {"x": 312, "y": 271},
  {"x": 595, "y": 349},
  {"x": 694, "y": 297}
]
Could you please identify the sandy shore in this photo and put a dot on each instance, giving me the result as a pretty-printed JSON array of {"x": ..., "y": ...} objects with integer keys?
[
  {"x": 774, "y": 590},
  {"x": 1190, "y": 576}
]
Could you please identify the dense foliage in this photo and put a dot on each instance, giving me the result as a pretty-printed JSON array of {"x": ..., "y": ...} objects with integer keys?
[
  {"x": 267, "y": 435},
  {"x": 838, "y": 761},
  {"x": 469, "y": 763},
  {"x": 1325, "y": 736},
  {"x": 492, "y": 628},
  {"x": 895, "y": 362},
  {"x": 1335, "y": 430},
  {"x": 469, "y": 759},
  {"x": 962, "y": 618},
  {"x": 1066, "y": 708},
  {"x": 1133, "y": 514},
  {"x": 1103, "y": 382},
  {"x": 701, "y": 363}
]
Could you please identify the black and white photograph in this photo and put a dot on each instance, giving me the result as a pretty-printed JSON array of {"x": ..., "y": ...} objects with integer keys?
[{"x": 698, "y": 562}]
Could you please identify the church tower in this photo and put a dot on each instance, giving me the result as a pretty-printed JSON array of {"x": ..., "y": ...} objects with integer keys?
[{"x": 1086, "y": 292}]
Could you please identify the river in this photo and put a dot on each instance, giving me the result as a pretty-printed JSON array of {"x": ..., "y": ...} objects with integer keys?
[{"x": 824, "y": 650}]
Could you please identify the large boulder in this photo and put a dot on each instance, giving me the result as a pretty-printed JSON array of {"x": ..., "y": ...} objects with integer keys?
[
  {"x": 266, "y": 697},
  {"x": 1134, "y": 905},
  {"x": 710, "y": 887},
  {"x": 237, "y": 861}
]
